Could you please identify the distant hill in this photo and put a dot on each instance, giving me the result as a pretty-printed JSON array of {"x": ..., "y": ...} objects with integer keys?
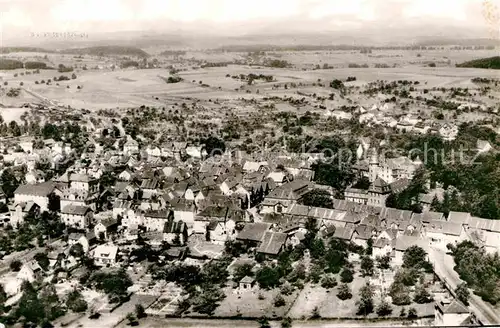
[
  {"x": 490, "y": 63},
  {"x": 6, "y": 50},
  {"x": 108, "y": 51},
  {"x": 432, "y": 41}
]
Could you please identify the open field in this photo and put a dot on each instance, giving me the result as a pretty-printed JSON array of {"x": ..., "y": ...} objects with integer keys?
[
  {"x": 331, "y": 307},
  {"x": 106, "y": 88},
  {"x": 106, "y": 320},
  {"x": 12, "y": 114},
  {"x": 249, "y": 305}
]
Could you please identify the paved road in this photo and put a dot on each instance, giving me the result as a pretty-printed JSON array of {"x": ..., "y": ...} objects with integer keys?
[
  {"x": 443, "y": 266},
  {"x": 24, "y": 256}
]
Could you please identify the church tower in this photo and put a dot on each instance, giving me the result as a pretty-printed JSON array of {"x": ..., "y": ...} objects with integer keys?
[{"x": 373, "y": 166}]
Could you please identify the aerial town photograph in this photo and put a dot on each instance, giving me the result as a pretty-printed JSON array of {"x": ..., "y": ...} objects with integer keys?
[{"x": 252, "y": 164}]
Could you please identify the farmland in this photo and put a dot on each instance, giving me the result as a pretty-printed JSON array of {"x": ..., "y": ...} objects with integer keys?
[{"x": 103, "y": 85}]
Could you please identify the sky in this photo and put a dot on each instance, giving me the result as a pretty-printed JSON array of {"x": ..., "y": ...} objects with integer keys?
[{"x": 96, "y": 16}]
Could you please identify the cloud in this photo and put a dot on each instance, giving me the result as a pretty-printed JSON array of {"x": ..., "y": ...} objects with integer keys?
[
  {"x": 108, "y": 15},
  {"x": 90, "y": 10},
  {"x": 455, "y": 9},
  {"x": 15, "y": 17}
]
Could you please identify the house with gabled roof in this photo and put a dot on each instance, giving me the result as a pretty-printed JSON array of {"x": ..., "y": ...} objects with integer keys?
[
  {"x": 381, "y": 247},
  {"x": 184, "y": 210},
  {"x": 486, "y": 231},
  {"x": 130, "y": 146},
  {"x": 218, "y": 223},
  {"x": 450, "y": 313},
  {"x": 428, "y": 216},
  {"x": 402, "y": 243},
  {"x": 105, "y": 255},
  {"x": 364, "y": 232},
  {"x": 38, "y": 193},
  {"x": 332, "y": 216},
  {"x": 77, "y": 216},
  {"x": 255, "y": 166},
  {"x": 345, "y": 233},
  {"x": 126, "y": 175},
  {"x": 175, "y": 232},
  {"x": 155, "y": 220},
  {"x": 34, "y": 177},
  {"x": 393, "y": 218},
  {"x": 149, "y": 187},
  {"x": 483, "y": 146},
  {"x": 104, "y": 227},
  {"x": 252, "y": 233},
  {"x": 279, "y": 199},
  {"x": 173, "y": 149},
  {"x": 459, "y": 217},
  {"x": 21, "y": 210},
  {"x": 272, "y": 243},
  {"x": 30, "y": 271}
]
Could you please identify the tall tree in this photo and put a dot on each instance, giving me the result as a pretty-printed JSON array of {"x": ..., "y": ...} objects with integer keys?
[
  {"x": 463, "y": 293},
  {"x": 365, "y": 304}
]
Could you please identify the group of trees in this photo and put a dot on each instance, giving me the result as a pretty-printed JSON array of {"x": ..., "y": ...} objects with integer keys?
[
  {"x": 202, "y": 284},
  {"x": 414, "y": 265},
  {"x": 471, "y": 181},
  {"x": 64, "y": 77},
  {"x": 114, "y": 284},
  {"x": 409, "y": 197},
  {"x": 14, "y": 92},
  {"x": 174, "y": 79},
  {"x": 64, "y": 69},
  {"x": 34, "y": 231},
  {"x": 478, "y": 269},
  {"x": 41, "y": 305}
]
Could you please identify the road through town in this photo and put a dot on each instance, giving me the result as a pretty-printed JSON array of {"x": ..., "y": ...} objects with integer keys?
[{"x": 443, "y": 267}]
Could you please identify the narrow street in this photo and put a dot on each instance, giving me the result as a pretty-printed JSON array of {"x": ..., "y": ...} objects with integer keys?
[
  {"x": 24, "y": 256},
  {"x": 443, "y": 266}
]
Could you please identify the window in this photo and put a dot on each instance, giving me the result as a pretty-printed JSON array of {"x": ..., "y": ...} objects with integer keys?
[{"x": 279, "y": 208}]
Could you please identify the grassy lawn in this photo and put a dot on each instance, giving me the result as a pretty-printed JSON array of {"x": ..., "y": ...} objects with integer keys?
[
  {"x": 331, "y": 307},
  {"x": 199, "y": 247},
  {"x": 248, "y": 304}
]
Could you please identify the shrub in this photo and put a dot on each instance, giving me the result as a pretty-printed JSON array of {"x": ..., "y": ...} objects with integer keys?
[
  {"x": 422, "y": 296},
  {"x": 139, "y": 311},
  {"x": 400, "y": 294},
  {"x": 174, "y": 79},
  {"x": 75, "y": 302},
  {"x": 384, "y": 309},
  {"x": 315, "y": 313},
  {"x": 286, "y": 289},
  {"x": 412, "y": 313},
  {"x": 132, "y": 320},
  {"x": 279, "y": 301},
  {"x": 344, "y": 292},
  {"x": 15, "y": 265},
  {"x": 286, "y": 322},
  {"x": 13, "y": 92},
  {"x": 463, "y": 293},
  {"x": 328, "y": 281},
  {"x": 347, "y": 275}
]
